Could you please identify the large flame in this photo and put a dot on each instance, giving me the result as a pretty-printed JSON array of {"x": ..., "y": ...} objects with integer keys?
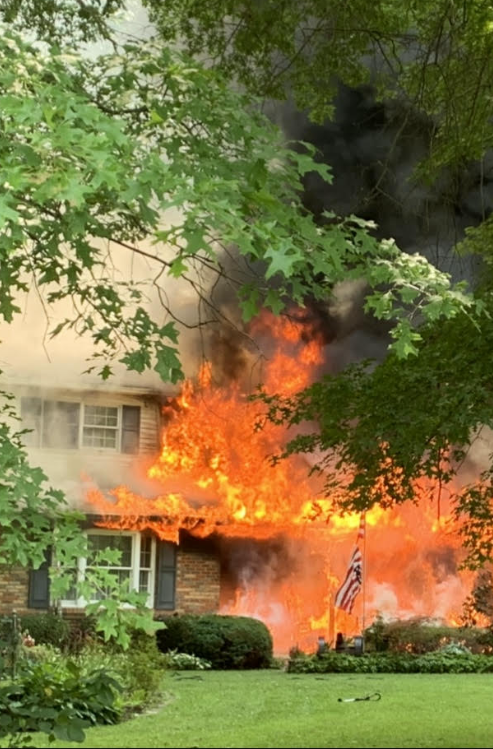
[{"x": 214, "y": 452}]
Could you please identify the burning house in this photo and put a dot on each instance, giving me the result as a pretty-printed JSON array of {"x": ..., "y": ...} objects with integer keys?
[
  {"x": 89, "y": 437},
  {"x": 183, "y": 486},
  {"x": 182, "y": 482}
]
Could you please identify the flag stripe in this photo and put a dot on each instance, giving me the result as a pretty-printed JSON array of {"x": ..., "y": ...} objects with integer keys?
[
  {"x": 354, "y": 576},
  {"x": 352, "y": 584}
]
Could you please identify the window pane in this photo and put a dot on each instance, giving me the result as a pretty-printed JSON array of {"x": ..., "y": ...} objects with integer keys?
[
  {"x": 123, "y": 577},
  {"x": 145, "y": 552},
  {"x": 60, "y": 424},
  {"x": 102, "y": 541},
  {"x": 99, "y": 437},
  {"x": 71, "y": 593},
  {"x": 144, "y": 579},
  {"x": 100, "y": 416}
]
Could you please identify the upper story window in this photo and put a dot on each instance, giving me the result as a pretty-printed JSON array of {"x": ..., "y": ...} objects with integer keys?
[
  {"x": 73, "y": 425},
  {"x": 100, "y": 427}
]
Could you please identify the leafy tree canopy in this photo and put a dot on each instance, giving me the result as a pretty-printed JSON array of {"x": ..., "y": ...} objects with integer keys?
[
  {"x": 104, "y": 149},
  {"x": 382, "y": 428},
  {"x": 143, "y": 143},
  {"x": 72, "y": 21},
  {"x": 434, "y": 56}
]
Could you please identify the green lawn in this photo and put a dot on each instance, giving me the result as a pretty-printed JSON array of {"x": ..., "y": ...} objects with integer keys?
[{"x": 275, "y": 709}]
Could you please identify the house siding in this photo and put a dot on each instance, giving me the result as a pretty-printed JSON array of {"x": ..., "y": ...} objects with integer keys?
[{"x": 75, "y": 470}]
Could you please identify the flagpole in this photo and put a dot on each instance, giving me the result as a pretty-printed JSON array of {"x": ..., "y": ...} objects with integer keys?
[
  {"x": 363, "y": 622},
  {"x": 332, "y": 619},
  {"x": 353, "y": 582}
]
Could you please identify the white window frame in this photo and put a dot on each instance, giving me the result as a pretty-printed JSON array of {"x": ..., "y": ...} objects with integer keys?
[
  {"x": 117, "y": 429},
  {"x": 136, "y": 536},
  {"x": 82, "y": 406}
]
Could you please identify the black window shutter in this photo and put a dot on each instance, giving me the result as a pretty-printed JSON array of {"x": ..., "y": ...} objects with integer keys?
[
  {"x": 130, "y": 429},
  {"x": 31, "y": 415},
  {"x": 39, "y": 585},
  {"x": 166, "y": 575}
]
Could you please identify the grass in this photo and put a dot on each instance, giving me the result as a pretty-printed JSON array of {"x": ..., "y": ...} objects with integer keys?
[{"x": 275, "y": 709}]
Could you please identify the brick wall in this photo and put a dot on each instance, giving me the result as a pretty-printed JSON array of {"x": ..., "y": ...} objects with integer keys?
[
  {"x": 14, "y": 586},
  {"x": 198, "y": 577},
  {"x": 197, "y": 582}
]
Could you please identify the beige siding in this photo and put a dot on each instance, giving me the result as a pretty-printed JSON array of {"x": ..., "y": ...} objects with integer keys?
[{"x": 76, "y": 470}]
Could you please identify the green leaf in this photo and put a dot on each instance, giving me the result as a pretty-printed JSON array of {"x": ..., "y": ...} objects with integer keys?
[
  {"x": 136, "y": 360},
  {"x": 283, "y": 258},
  {"x": 195, "y": 241},
  {"x": 7, "y": 213},
  {"x": 177, "y": 268},
  {"x": 168, "y": 364},
  {"x": 106, "y": 372},
  {"x": 250, "y": 302},
  {"x": 274, "y": 301},
  {"x": 155, "y": 117}
]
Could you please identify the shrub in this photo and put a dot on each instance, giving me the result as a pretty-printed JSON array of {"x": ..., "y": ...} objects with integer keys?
[
  {"x": 429, "y": 663},
  {"x": 58, "y": 701},
  {"x": 82, "y": 632},
  {"x": 46, "y": 629},
  {"x": 278, "y": 663},
  {"x": 185, "y": 662},
  {"x": 228, "y": 642},
  {"x": 421, "y": 636},
  {"x": 39, "y": 654},
  {"x": 139, "y": 669}
]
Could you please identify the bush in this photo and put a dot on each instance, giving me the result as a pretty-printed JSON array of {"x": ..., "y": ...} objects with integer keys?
[
  {"x": 185, "y": 662},
  {"x": 82, "y": 632},
  {"x": 39, "y": 654},
  {"x": 429, "y": 663},
  {"x": 46, "y": 629},
  {"x": 227, "y": 642},
  {"x": 59, "y": 700},
  {"x": 421, "y": 636},
  {"x": 139, "y": 669}
]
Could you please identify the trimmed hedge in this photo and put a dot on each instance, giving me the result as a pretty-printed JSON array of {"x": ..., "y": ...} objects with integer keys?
[
  {"x": 227, "y": 642},
  {"x": 398, "y": 663}
]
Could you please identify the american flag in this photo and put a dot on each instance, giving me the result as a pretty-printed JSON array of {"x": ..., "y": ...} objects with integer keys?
[{"x": 354, "y": 576}]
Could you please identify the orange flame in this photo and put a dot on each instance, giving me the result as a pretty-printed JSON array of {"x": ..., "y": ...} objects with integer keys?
[{"x": 211, "y": 445}]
